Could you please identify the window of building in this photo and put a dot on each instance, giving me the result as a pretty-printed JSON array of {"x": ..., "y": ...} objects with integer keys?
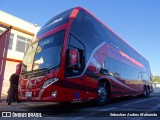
[
  {"x": 22, "y": 43},
  {"x": 11, "y": 41},
  {"x": 1, "y": 31}
]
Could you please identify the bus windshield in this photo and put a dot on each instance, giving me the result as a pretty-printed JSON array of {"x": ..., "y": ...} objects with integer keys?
[{"x": 44, "y": 54}]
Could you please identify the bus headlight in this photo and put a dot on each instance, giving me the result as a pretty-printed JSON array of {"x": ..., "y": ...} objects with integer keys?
[{"x": 49, "y": 82}]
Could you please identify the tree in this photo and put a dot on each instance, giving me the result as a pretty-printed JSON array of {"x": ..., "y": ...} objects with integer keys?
[{"x": 156, "y": 79}]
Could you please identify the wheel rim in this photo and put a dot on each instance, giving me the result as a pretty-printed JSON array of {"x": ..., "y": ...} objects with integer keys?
[{"x": 102, "y": 94}]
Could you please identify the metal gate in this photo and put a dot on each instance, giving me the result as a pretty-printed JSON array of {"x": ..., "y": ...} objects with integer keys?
[{"x": 4, "y": 41}]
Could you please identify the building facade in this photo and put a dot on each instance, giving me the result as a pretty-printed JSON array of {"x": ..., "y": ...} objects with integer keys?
[{"x": 22, "y": 34}]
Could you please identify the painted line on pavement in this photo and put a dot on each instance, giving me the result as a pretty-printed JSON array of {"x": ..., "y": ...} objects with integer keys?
[{"x": 139, "y": 101}]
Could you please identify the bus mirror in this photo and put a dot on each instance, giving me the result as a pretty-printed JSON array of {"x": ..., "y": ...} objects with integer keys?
[
  {"x": 104, "y": 71},
  {"x": 73, "y": 58}
]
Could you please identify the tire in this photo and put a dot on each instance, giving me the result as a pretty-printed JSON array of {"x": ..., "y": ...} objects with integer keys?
[
  {"x": 103, "y": 95},
  {"x": 146, "y": 92},
  {"x": 149, "y": 92}
]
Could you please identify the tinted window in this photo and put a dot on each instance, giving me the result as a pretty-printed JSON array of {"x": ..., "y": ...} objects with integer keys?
[
  {"x": 44, "y": 54},
  {"x": 125, "y": 73},
  {"x": 109, "y": 65},
  {"x": 145, "y": 76},
  {"x": 75, "y": 44},
  {"x": 92, "y": 33},
  {"x": 48, "y": 52},
  {"x": 84, "y": 28},
  {"x": 118, "y": 69},
  {"x": 28, "y": 58},
  {"x": 54, "y": 22}
]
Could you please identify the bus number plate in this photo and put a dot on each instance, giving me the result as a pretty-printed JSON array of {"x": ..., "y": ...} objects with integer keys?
[{"x": 28, "y": 94}]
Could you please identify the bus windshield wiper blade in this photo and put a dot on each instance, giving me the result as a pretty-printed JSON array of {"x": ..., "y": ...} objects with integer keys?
[
  {"x": 41, "y": 69},
  {"x": 45, "y": 69},
  {"x": 50, "y": 68},
  {"x": 26, "y": 72}
]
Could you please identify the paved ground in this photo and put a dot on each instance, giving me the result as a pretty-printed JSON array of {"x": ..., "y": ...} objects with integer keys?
[{"x": 129, "y": 108}]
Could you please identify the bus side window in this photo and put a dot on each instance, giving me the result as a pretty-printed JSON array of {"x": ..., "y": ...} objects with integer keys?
[
  {"x": 138, "y": 75},
  {"x": 109, "y": 66},
  {"x": 76, "y": 58},
  {"x": 116, "y": 69}
]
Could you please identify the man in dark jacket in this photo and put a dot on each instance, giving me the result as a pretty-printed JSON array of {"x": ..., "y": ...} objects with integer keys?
[{"x": 13, "y": 90}]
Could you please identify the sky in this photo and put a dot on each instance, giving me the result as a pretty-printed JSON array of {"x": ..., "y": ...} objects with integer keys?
[{"x": 136, "y": 21}]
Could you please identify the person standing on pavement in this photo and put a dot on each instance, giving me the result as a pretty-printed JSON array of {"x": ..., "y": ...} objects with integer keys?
[{"x": 14, "y": 80}]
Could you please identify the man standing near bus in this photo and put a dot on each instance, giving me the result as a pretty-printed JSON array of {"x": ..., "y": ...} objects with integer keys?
[{"x": 13, "y": 90}]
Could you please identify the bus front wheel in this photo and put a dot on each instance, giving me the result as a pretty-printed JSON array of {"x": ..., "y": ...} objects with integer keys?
[{"x": 103, "y": 95}]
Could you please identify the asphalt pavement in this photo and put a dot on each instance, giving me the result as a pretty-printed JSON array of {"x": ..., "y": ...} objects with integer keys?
[{"x": 126, "y": 108}]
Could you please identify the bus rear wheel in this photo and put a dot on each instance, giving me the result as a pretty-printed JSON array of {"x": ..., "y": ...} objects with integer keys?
[
  {"x": 103, "y": 95},
  {"x": 146, "y": 92}
]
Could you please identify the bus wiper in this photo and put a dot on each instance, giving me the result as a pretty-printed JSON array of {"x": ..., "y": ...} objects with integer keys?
[
  {"x": 45, "y": 69},
  {"x": 50, "y": 68},
  {"x": 42, "y": 69},
  {"x": 25, "y": 72}
]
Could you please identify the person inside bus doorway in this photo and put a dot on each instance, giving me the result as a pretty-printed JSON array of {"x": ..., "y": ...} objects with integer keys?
[{"x": 13, "y": 90}]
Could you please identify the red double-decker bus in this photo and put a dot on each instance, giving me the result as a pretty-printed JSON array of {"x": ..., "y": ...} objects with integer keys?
[{"x": 75, "y": 57}]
